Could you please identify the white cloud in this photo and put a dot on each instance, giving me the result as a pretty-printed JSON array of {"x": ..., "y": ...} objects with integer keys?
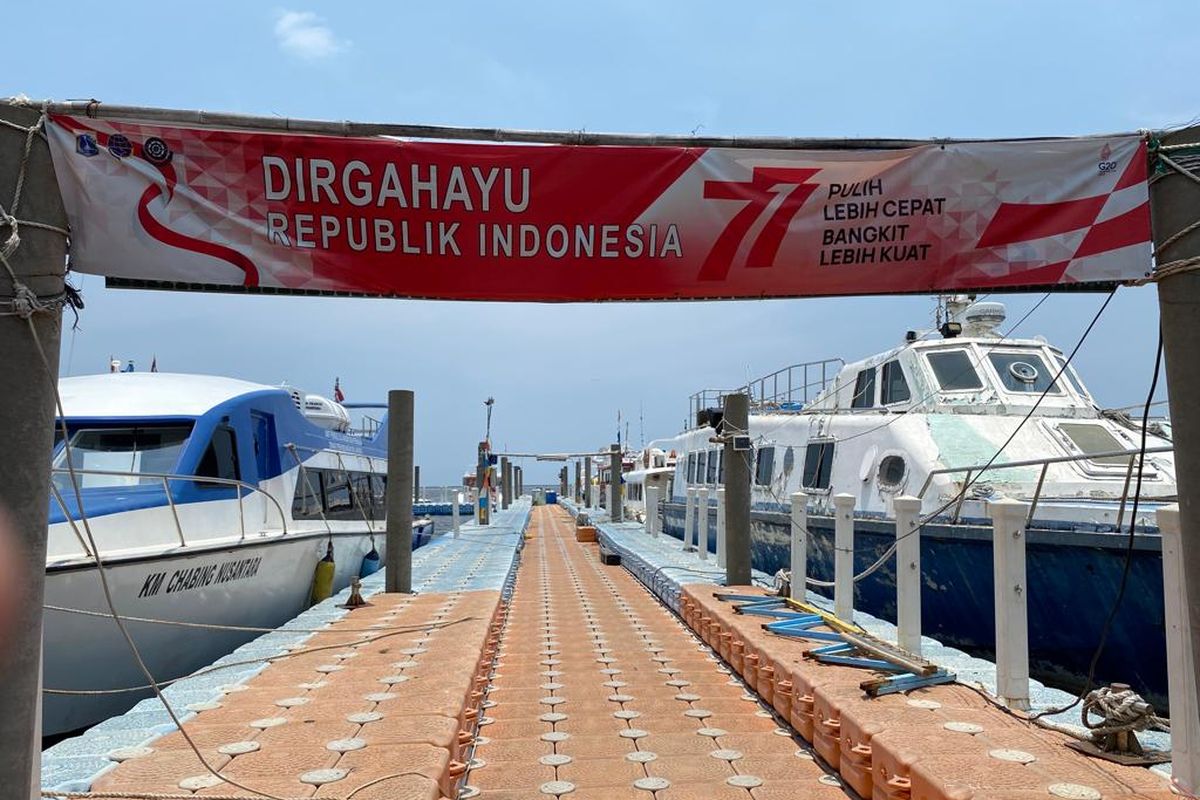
[{"x": 305, "y": 35}]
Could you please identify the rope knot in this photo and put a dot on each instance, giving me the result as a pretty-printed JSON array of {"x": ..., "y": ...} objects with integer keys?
[
  {"x": 24, "y": 301},
  {"x": 1120, "y": 709},
  {"x": 14, "y": 238}
]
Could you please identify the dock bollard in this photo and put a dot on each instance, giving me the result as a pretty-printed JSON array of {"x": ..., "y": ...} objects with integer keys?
[
  {"x": 799, "y": 563},
  {"x": 1012, "y": 615},
  {"x": 843, "y": 557},
  {"x": 721, "y": 528},
  {"x": 652, "y": 511},
  {"x": 1185, "y": 711},
  {"x": 908, "y": 573},
  {"x": 702, "y": 523},
  {"x": 689, "y": 516}
]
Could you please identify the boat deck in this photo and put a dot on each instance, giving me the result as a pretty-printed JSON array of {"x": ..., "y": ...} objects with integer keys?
[{"x": 582, "y": 684}]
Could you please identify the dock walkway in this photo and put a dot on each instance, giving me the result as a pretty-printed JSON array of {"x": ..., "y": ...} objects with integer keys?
[{"x": 563, "y": 676}]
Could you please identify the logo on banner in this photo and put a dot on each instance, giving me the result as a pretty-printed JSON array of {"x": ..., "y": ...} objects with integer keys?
[
  {"x": 86, "y": 145},
  {"x": 156, "y": 151},
  {"x": 120, "y": 146},
  {"x": 1106, "y": 163}
]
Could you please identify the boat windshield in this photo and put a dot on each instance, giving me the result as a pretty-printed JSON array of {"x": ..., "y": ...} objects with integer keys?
[
  {"x": 1024, "y": 372},
  {"x": 129, "y": 449}
]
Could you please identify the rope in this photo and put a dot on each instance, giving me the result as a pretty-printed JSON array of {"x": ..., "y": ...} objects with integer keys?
[
  {"x": 1121, "y": 711},
  {"x": 242, "y": 628},
  {"x": 165, "y": 796}
]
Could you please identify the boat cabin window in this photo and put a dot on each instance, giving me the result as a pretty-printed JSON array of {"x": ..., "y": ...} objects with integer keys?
[
  {"x": 765, "y": 468},
  {"x": 894, "y": 388},
  {"x": 220, "y": 457},
  {"x": 1092, "y": 438},
  {"x": 306, "y": 501},
  {"x": 864, "y": 389},
  {"x": 953, "y": 370},
  {"x": 691, "y": 468},
  {"x": 1069, "y": 371},
  {"x": 1024, "y": 372},
  {"x": 336, "y": 494},
  {"x": 152, "y": 448},
  {"x": 712, "y": 466},
  {"x": 701, "y": 466},
  {"x": 818, "y": 464}
]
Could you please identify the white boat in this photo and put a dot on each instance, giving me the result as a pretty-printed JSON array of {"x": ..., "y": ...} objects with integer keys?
[
  {"x": 942, "y": 416},
  {"x": 210, "y": 500}
]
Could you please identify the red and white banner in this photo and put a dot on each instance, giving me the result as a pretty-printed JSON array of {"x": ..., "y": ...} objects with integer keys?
[{"x": 557, "y": 223}]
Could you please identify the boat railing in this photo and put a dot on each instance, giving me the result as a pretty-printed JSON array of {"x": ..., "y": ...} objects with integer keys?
[
  {"x": 791, "y": 388},
  {"x": 975, "y": 469},
  {"x": 166, "y": 478}
]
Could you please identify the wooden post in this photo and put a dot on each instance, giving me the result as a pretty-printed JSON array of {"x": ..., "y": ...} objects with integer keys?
[
  {"x": 399, "y": 494},
  {"x": 505, "y": 482},
  {"x": 1181, "y": 689},
  {"x": 799, "y": 566},
  {"x": 587, "y": 482},
  {"x": 1012, "y": 617},
  {"x": 578, "y": 485},
  {"x": 721, "y": 528},
  {"x": 737, "y": 492},
  {"x": 614, "y": 466},
  {"x": 27, "y": 419},
  {"x": 689, "y": 516},
  {"x": 908, "y": 573},
  {"x": 1174, "y": 200},
  {"x": 702, "y": 522},
  {"x": 416, "y": 483},
  {"x": 843, "y": 557}
]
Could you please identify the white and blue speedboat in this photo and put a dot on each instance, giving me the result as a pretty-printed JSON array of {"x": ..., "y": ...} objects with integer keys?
[
  {"x": 211, "y": 501},
  {"x": 960, "y": 419}
]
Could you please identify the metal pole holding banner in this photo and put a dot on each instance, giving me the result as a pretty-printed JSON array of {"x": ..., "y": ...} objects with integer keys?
[
  {"x": 27, "y": 418},
  {"x": 799, "y": 561},
  {"x": 398, "y": 564},
  {"x": 1174, "y": 212},
  {"x": 1012, "y": 614},
  {"x": 702, "y": 522},
  {"x": 843, "y": 556},
  {"x": 455, "y": 500},
  {"x": 736, "y": 422},
  {"x": 908, "y": 573},
  {"x": 689, "y": 516},
  {"x": 614, "y": 466},
  {"x": 652, "y": 510}
]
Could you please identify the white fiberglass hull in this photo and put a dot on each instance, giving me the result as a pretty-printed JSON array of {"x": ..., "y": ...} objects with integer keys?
[{"x": 261, "y": 583}]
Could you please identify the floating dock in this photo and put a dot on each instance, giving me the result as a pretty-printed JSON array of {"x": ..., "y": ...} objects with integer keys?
[{"x": 528, "y": 665}]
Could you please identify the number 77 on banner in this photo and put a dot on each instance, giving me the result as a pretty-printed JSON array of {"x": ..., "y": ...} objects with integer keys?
[{"x": 758, "y": 193}]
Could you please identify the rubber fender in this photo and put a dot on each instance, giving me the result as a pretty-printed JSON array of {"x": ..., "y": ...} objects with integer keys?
[
  {"x": 371, "y": 563},
  {"x": 322, "y": 588}
]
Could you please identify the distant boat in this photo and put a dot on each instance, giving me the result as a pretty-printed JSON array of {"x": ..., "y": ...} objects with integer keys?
[
  {"x": 211, "y": 501},
  {"x": 924, "y": 418}
]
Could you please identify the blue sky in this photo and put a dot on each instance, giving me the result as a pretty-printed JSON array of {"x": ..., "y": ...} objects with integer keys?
[{"x": 918, "y": 69}]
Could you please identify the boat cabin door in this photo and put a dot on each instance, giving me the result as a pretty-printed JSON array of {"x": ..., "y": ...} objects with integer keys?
[{"x": 266, "y": 456}]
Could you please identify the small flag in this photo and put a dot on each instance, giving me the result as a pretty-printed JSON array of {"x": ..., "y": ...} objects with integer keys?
[
  {"x": 154, "y": 364},
  {"x": 337, "y": 390}
]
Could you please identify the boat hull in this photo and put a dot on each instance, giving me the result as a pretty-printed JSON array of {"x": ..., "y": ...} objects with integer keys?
[
  {"x": 1073, "y": 578},
  {"x": 259, "y": 583}
]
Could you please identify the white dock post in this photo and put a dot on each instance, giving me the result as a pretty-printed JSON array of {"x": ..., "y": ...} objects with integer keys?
[
  {"x": 843, "y": 557},
  {"x": 799, "y": 564},
  {"x": 702, "y": 522},
  {"x": 455, "y": 499},
  {"x": 1012, "y": 615},
  {"x": 721, "y": 528},
  {"x": 908, "y": 573},
  {"x": 652, "y": 511},
  {"x": 689, "y": 516},
  {"x": 1185, "y": 710}
]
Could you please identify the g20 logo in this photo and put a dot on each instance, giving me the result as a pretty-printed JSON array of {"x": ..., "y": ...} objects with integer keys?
[{"x": 1107, "y": 166}]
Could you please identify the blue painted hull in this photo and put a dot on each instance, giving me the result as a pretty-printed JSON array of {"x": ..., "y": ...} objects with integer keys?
[{"x": 1073, "y": 579}]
